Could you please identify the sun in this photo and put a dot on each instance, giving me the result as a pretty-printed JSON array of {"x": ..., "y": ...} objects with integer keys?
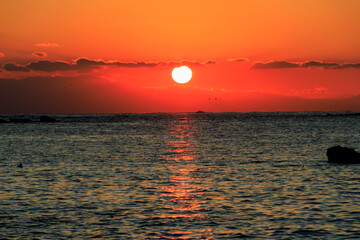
[{"x": 181, "y": 74}]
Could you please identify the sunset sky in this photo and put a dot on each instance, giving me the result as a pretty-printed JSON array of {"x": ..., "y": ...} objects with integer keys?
[{"x": 114, "y": 56}]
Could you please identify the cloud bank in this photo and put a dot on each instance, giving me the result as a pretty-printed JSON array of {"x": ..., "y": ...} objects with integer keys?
[
  {"x": 85, "y": 64},
  {"x": 79, "y": 64},
  {"x": 89, "y": 64},
  {"x": 275, "y": 64},
  {"x": 12, "y": 67},
  {"x": 324, "y": 65},
  {"x": 49, "y": 66},
  {"x": 307, "y": 64}
]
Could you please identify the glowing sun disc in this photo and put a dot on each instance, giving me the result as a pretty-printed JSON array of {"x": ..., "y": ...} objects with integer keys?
[{"x": 181, "y": 74}]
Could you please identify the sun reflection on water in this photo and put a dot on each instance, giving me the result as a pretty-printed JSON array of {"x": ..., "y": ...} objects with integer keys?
[{"x": 182, "y": 194}]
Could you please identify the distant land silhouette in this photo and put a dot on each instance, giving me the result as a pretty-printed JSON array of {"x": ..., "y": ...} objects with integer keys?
[{"x": 75, "y": 95}]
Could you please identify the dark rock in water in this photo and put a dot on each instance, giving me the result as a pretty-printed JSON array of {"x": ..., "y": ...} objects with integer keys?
[
  {"x": 200, "y": 111},
  {"x": 47, "y": 119},
  {"x": 20, "y": 120},
  {"x": 344, "y": 155},
  {"x": 20, "y": 165}
]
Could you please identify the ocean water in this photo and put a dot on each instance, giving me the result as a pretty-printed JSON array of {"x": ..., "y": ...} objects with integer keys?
[{"x": 179, "y": 176}]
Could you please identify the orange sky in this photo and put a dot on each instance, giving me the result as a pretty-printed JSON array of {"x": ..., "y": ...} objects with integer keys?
[{"x": 291, "y": 55}]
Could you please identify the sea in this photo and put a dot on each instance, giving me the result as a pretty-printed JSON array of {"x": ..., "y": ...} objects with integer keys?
[{"x": 179, "y": 176}]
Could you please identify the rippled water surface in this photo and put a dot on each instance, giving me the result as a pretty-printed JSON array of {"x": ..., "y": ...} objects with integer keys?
[{"x": 179, "y": 176}]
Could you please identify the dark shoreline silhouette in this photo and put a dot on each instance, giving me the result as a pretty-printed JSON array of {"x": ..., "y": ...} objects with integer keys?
[{"x": 43, "y": 118}]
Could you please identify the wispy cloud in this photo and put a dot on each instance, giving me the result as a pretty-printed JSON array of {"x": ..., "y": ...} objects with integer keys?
[
  {"x": 47, "y": 45},
  {"x": 187, "y": 63},
  {"x": 313, "y": 91},
  {"x": 238, "y": 60},
  {"x": 39, "y": 54}
]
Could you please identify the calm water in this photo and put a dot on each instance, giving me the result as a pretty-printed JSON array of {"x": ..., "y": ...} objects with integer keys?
[{"x": 179, "y": 176}]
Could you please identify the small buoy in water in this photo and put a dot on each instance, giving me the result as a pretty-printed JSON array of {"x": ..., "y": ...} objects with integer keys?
[{"x": 20, "y": 165}]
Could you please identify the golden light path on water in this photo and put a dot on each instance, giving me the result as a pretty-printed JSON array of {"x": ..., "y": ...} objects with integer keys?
[
  {"x": 179, "y": 176},
  {"x": 183, "y": 196}
]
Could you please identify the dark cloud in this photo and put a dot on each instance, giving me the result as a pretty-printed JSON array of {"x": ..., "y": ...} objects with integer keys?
[
  {"x": 329, "y": 65},
  {"x": 199, "y": 63},
  {"x": 187, "y": 63},
  {"x": 82, "y": 62},
  {"x": 39, "y": 54},
  {"x": 49, "y": 66},
  {"x": 12, "y": 67},
  {"x": 88, "y": 62},
  {"x": 85, "y": 64},
  {"x": 308, "y": 64},
  {"x": 325, "y": 65},
  {"x": 349, "y": 65},
  {"x": 132, "y": 65},
  {"x": 275, "y": 64}
]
